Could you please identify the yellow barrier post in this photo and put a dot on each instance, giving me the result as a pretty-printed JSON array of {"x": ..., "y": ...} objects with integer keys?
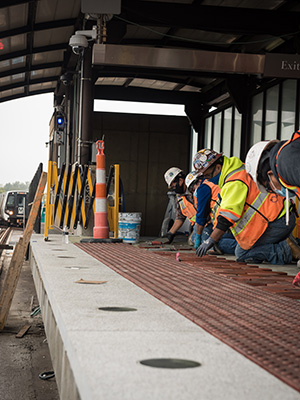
[
  {"x": 117, "y": 201},
  {"x": 48, "y": 208}
]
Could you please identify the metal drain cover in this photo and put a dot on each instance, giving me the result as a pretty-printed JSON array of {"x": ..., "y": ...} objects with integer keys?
[
  {"x": 65, "y": 257},
  {"x": 75, "y": 267},
  {"x": 59, "y": 250},
  {"x": 118, "y": 309},
  {"x": 170, "y": 363}
]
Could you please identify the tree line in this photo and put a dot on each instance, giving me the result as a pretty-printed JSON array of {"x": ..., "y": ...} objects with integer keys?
[{"x": 14, "y": 186}]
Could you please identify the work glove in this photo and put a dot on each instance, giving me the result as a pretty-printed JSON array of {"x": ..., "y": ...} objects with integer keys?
[
  {"x": 170, "y": 236},
  {"x": 198, "y": 241},
  {"x": 205, "y": 246}
]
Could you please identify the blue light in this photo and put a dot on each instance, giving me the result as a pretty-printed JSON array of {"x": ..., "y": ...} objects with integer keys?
[{"x": 60, "y": 120}]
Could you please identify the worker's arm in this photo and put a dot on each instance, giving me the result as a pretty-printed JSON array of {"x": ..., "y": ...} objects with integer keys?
[
  {"x": 217, "y": 234},
  {"x": 171, "y": 233},
  {"x": 199, "y": 229},
  {"x": 177, "y": 225},
  {"x": 203, "y": 195},
  {"x": 209, "y": 243},
  {"x": 198, "y": 239}
]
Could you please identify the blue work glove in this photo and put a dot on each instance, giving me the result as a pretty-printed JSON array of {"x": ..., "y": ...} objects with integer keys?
[
  {"x": 198, "y": 241},
  {"x": 205, "y": 246}
]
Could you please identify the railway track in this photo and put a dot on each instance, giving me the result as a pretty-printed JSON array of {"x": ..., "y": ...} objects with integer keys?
[{"x": 4, "y": 236}]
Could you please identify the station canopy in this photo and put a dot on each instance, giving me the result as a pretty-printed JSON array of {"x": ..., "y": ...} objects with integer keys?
[{"x": 183, "y": 45}]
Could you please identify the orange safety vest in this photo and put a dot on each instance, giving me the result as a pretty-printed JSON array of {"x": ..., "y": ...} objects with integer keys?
[
  {"x": 187, "y": 208},
  {"x": 296, "y": 135},
  {"x": 215, "y": 190},
  {"x": 259, "y": 210}
]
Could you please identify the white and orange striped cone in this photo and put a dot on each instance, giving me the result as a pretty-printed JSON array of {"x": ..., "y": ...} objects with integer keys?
[{"x": 101, "y": 230}]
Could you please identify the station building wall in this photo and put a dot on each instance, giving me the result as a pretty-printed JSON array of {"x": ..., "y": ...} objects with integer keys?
[{"x": 144, "y": 146}]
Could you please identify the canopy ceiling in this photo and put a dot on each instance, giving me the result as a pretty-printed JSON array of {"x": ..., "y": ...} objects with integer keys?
[{"x": 34, "y": 49}]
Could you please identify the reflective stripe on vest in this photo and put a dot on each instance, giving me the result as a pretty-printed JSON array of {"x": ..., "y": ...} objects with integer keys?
[
  {"x": 187, "y": 208},
  {"x": 259, "y": 209},
  {"x": 231, "y": 215},
  {"x": 246, "y": 217}
]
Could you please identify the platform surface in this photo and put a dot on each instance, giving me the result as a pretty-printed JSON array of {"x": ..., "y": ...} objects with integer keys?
[{"x": 103, "y": 349}]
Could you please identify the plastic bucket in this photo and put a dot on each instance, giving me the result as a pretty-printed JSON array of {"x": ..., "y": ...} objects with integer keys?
[{"x": 129, "y": 226}]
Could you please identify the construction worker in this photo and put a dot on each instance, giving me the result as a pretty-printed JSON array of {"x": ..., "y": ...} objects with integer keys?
[
  {"x": 274, "y": 165},
  {"x": 207, "y": 195},
  {"x": 192, "y": 182},
  {"x": 257, "y": 220},
  {"x": 175, "y": 179}
]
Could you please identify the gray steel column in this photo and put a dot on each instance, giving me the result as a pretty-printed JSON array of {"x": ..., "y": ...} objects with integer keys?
[{"x": 86, "y": 112}]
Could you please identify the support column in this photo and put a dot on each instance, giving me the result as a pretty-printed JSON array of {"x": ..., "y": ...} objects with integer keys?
[
  {"x": 86, "y": 112},
  {"x": 195, "y": 113}
]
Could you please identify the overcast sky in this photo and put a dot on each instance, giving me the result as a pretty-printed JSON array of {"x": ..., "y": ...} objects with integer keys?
[{"x": 25, "y": 131}]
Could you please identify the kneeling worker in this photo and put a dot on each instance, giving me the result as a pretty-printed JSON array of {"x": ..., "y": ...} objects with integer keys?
[
  {"x": 257, "y": 220},
  {"x": 207, "y": 195},
  {"x": 175, "y": 179},
  {"x": 275, "y": 166}
]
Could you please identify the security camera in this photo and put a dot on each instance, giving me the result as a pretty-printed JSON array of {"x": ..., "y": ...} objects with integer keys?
[{"x": 79, "y": 41}]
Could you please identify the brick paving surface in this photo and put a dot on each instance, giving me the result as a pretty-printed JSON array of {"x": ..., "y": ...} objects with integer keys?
[{"x": 223, "y": 297}]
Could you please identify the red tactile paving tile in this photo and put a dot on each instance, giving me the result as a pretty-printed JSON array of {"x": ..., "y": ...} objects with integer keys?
[
  {"x": 261, "y": 325},
  {"x": 249, "y": 274}
]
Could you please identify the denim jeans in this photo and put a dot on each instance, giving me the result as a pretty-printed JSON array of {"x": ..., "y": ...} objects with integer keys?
[
  {"x": 226, "y": 244},
  {"x": 271, "y": 246}
]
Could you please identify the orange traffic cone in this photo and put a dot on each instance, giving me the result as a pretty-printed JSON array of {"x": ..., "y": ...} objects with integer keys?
[{"x": 101, "y": 230}]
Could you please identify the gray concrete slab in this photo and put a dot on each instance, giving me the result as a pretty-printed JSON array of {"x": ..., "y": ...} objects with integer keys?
[{"x": 96, "y": 354}]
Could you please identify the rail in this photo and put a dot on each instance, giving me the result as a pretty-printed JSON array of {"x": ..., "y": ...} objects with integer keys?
[{"x": 4, "y": 236}]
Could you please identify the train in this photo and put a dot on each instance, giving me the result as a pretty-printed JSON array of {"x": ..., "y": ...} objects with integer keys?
[{"x": 13, "y": 208}]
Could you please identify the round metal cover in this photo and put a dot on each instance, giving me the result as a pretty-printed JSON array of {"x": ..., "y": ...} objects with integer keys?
[
  {"x": 170, "y": 363},
  {"x": 59, "y": 250},
  {"x": 118, "y": 309},
  {"x": 65, "y": 257}
]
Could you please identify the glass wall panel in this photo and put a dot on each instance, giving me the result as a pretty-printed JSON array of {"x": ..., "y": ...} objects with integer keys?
[
  {"x": 237, "y": 135},
  {"x": 288, "y": 113},
  {"x": 207, "y": 137},
  {"x": 256, "y": 120},
  {"x": 194, "y": 146},
  {"x": 217, "y": 132},
  {"x": 271, "y": 113},
  {"x": 227, "y": 132}
]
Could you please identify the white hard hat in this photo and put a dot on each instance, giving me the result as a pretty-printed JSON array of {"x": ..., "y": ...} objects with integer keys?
[
  {"x": 171, "y": 174},
  {"x": 191, "y": 178},
  {"x": 253, "y": 159}
]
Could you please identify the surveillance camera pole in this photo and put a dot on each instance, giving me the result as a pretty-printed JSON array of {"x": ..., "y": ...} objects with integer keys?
[
  {"x": 86, "y": 95},
  {"x": 85, "y": 109}
]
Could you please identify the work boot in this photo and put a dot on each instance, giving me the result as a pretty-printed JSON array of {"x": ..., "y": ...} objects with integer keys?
[
  {"x": 295, "y": 248},
  {"x": 215, "y": 251}
]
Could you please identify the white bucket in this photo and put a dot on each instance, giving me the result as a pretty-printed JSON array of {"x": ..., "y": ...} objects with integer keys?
[{"x": 129, "y": 226}]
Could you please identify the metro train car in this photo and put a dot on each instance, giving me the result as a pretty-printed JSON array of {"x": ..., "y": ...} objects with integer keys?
[{"x": 13, "y": 206}]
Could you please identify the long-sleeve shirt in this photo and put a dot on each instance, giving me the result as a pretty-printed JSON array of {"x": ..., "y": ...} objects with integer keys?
[{"x": 203, "y": 195}]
